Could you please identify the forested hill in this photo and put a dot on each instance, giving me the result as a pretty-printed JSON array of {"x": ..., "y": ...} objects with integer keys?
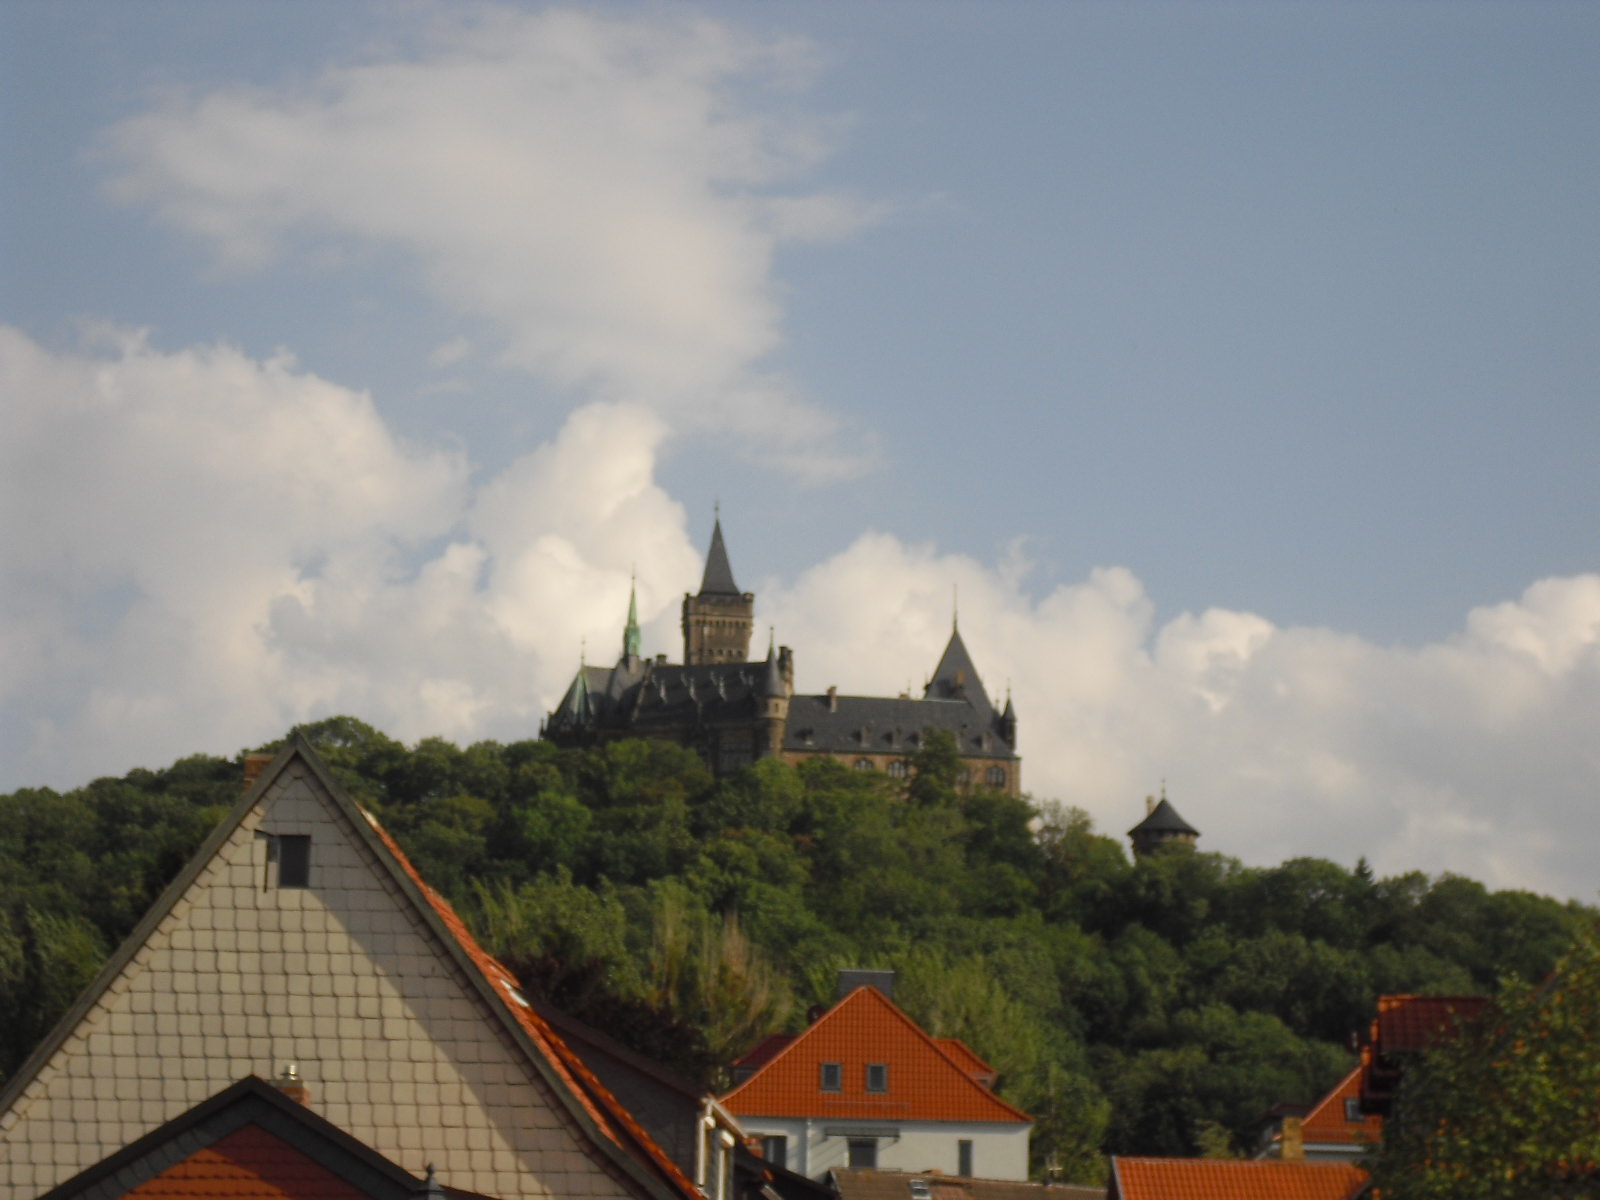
[{"x": 1156, "y": 1007}]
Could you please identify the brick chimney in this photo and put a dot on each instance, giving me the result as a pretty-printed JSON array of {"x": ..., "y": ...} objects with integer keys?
[
  {"x": 255, "y": 763},
  {"x": 292, "y": 1086},
  {"x": 1292, "y": 1145}
]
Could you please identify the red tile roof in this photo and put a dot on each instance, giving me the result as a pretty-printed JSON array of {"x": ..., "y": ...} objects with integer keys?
[
  {"x": 248, "y": 1164},
  {"x": 608, "y": 1113},
  {"x": 927, "y": 1082},
  {"x": 1232, "y": 1179},
  {"x": 1410, "y": 1023},
  {"x": 763, "y": 1050},
  {"x": 1327, "y": 1123},
  {"x": 971, "y": 1063}
]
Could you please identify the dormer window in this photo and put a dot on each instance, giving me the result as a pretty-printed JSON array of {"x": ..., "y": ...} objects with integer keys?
[
  {"x": 877, "y": 1077},
  {"x": 832, "y": 1077},
  {"x": 1352, "y": 1110}
]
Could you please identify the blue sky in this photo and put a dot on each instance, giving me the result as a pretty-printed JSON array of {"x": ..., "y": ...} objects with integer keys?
[{"x": 1236, "y": 361}]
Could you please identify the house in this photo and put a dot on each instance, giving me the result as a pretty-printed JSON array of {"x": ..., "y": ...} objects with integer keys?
[
  {"x": 250, "y": 1140},
  {"x": 299, "y": 943},
  {"x": 1333, "y": 1129},
  {"x": 864, "y": 1087},
  {"x": 1232, "y": 1179},
  {"x": 1404, "y": 1027},
  {"x": 733, "y": 710}
]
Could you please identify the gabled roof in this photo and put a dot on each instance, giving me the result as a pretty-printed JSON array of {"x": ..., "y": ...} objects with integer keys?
[
  {"x": 1327, "y": 1124},
  {"x": 249, "y": 1140},
  {"x": 421, "y": 976},
  {"x": 1232, "y": 1179},
  {"x": 961, "y": 1054},
  {"x": 926, "y": 1082},
  {"x": 718, "y": 578},
  {"x": 955, "y": 678}
]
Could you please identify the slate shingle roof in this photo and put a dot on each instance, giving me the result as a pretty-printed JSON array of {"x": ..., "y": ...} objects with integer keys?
[
  {"x": 718, "y": 577},
  {"x": 1232, "y": 1179},
  {"x": 925, "y": 1082},
  {"x": 879, "y": 725},
  {"x": 1163, "y": 818}
]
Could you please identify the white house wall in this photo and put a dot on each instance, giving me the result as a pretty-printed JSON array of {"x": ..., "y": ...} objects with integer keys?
[{"x": 817, "y": 1145}]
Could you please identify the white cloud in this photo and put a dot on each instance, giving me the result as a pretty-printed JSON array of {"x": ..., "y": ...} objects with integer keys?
[
  {"x": 204, "y": 548},
  {"x": 1475, "y": 755},
  {"x": 607, "y": 193}
]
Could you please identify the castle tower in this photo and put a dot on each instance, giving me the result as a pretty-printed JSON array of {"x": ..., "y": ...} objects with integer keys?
[
  {"x": 773, "y": 701},
  {"x": 1161, "y": 826},
  {"x": 718, "y": 622}
]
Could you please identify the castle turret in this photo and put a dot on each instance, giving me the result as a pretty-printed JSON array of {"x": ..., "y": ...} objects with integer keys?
[
  {"x": 1162, "y": 825},
  {"x": 718, "y": 622},
  {"x": 772, "y": 699}
]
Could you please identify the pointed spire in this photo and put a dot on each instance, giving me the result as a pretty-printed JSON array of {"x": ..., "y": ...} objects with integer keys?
[
  {"x": 772, "y": 679},
  {"x": 718, "y": 579},
  {"x": 955, "y": 678},
  {"x": 630, "y": 632}
]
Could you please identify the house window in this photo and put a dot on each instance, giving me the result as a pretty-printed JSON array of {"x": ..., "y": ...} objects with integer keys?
[
  {"x": 863, "y": 764},
  {"x": 1352, "y": 1110},
  {"x": 897, "y": 769},
  {"x": 864, "y": 1154},
  {"x": 294, "y": 860},
  {"x": 995, "y": 777},
  {"x": 832, "y": 1077},
  {"x": 877, "y": 1077},
  {"x": 964, "y": 1158},
  {"x": 775, "y": 1149}
]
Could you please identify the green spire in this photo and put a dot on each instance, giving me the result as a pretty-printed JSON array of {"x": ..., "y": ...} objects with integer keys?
[{"x": 630, "y": 633}]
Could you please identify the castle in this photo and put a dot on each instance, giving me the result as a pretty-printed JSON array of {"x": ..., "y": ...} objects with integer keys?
[{"x": 733, "y": 710}]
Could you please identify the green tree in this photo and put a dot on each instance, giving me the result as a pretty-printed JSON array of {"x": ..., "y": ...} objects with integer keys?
[{"x": 1509, "y": 1108}]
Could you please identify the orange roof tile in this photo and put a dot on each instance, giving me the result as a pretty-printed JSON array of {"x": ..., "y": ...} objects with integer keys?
[
  {"x": 926, "y": 1082},
  {"x": 609, "y": 1114},
  {"x": 974, "y": 1066},
  {"x": 247, "y": 1164},
  {"x": 1327, "y": 1123},
  {"x": 1407, "y": 1023},
  {"x": 1232, "y": 1179}
]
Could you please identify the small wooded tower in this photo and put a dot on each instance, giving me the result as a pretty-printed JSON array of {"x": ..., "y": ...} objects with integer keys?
[{"x": 718, "y": 622}]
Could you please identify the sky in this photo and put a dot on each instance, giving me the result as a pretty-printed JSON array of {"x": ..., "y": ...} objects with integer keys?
[{"x": 1232, "y": 367}]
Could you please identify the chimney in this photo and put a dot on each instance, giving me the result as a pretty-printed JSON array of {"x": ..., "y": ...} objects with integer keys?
[
  {"x": 833, "y": 698},
  {"x": 850, "y": 978},
  {"x": 1293, "y": 1144},
  {"x": 292, "y": 1086},
  {"x": 255, "y": 763}
]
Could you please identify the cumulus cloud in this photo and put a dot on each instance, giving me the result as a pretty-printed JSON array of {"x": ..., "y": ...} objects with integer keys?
[
  {"x": 204, "y": 548},
  {"x": 1475, "y": 754},
  {"x": 607, "y": 194}
]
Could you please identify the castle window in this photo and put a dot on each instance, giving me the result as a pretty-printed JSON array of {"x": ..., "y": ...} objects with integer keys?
[
  {"x": 995, "y": 777},
  {"x": 863, "y": 764},
  {"x": 832, "y": 1077},
  {"x": 897, "y": 769}
]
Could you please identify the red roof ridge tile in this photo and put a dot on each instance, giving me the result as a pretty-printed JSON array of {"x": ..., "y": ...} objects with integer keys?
[{"x": 608, "y": 1113}]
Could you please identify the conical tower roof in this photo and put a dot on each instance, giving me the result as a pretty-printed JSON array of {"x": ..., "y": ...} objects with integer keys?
[
  {"x": 955, "y": 678},
  {"x": 630, "y": 632},
  {"x": 1163, "y": 818},
  {"x": 718, "y": 579}
]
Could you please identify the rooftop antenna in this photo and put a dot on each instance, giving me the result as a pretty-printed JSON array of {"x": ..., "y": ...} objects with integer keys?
[{"x": 955, "y": 608}]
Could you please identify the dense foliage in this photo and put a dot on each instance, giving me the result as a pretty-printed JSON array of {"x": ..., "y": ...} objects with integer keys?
[
  {"x": 1510, "y": 1108},
  {"x": 1145, "y": 1007}
]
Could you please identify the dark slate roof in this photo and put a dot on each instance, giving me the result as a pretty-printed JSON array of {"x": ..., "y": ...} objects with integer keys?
[
  {"x": 718, "y": 579},
  {"x": 875, "y": 725},
  {"x": 644, "y": 695},
  {"x": 956, "y": 678},
  {"x": 1164, "y": 819}
]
